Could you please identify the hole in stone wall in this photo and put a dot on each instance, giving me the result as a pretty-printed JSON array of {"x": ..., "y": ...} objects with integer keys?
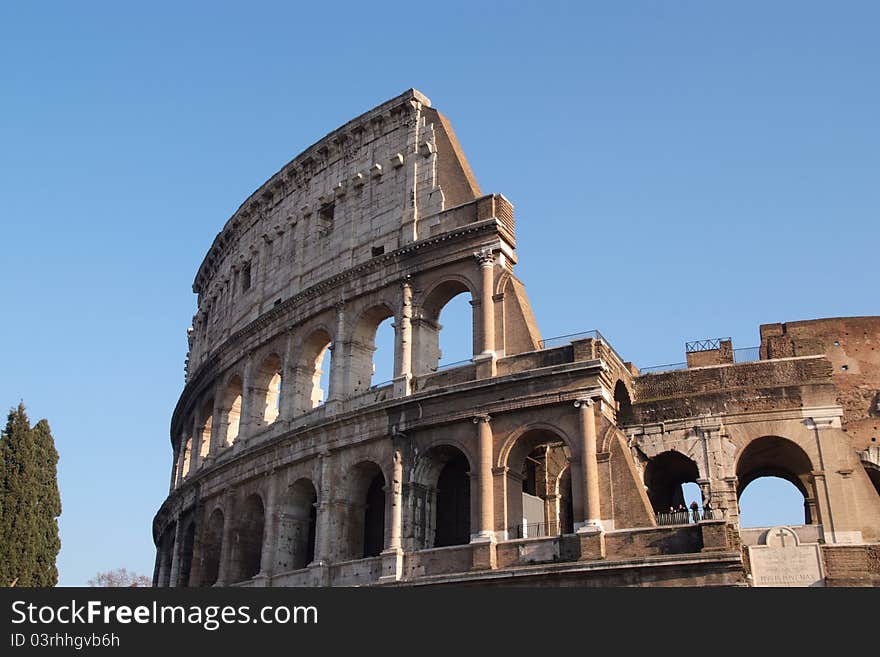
[{"x": 378, "y": 250}]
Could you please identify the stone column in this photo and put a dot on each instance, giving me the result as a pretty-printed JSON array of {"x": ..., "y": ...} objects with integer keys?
[
  {"x": 270, "y": 541},
  {"x": 175, "y": 555},
  {"x": 338, "y": 361},
  {"x": 487, "y": 270},
  {"x": 323, "y": 521},
  {"x": 181, "y": 457},
  {"x": 218, "y": 427},
  {"x": 226, "y": 547},
  {"x": 246, "y": 422},
  {"x": 286, "y": 407},
  {"x": 484, "y": 549},
  {"x": 591, "y": 521},
  {"x": 175, "y": 459},
  {"x": 392, "y": 556},
  {"x": 195, "y": 459},
  {"x": 404, "y": 338},
  {"x": 484, "y": 477}
]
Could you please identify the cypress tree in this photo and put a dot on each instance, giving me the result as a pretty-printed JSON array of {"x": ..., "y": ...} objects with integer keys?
[{"x": 29, "y": 503}]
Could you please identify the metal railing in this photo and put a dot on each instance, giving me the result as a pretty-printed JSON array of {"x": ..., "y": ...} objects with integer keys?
[
  {"x": 561, "y": 340},
  {"x": 381, "y": 384},
  {"x": 704, "y": 345},
  {"x": 743, "y": 355},
  {"x": 449, "y": 366},
  {"x": 683, "y": 516},
  {"x": 536, "y": 530},
  {"x": 746, "y": 354},
  {"x": 655, "y": 369}
]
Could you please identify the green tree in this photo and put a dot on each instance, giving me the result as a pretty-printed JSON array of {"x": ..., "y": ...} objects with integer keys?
[{"x": 29, "y": 503}]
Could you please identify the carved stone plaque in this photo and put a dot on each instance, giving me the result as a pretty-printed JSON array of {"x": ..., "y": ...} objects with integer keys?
[{"x": 784, "y": 561}]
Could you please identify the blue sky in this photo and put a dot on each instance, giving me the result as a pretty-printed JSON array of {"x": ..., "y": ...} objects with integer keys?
[{"x": 680, "y": 170}]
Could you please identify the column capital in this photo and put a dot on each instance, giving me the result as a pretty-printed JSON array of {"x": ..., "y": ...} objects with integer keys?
[
  {"x": 482, "y": 417},
  {"x": 586, "y": 402},
  {"x": 485, "y": 256}
]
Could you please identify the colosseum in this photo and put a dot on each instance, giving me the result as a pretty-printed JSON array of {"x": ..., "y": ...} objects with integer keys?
[{"x": 541, "y": 462}]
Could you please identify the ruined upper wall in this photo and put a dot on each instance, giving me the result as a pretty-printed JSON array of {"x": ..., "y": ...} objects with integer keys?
[
  {"x": 742, "y": 388},
  {"x": 361, "y": 191},
  {"x": 852, "y": 345}
]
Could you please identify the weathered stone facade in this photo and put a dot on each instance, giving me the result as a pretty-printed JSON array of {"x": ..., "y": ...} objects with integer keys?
[{"x": 533, "y": 463}]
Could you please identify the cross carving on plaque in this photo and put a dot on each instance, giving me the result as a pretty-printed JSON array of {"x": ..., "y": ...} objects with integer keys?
[{"x": 781, "y": 536}]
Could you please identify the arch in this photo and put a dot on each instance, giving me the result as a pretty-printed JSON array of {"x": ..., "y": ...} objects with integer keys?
[
  {"x": 769, "y": 501},
  {"x": 441, "y": 498},
  {"x": 231, "y": 418},
  {"x": 363, "y": 347},
  {"x": 426, "y": 326},
  {"x": 623, "y": 404},
  {"x": 776, "y": 456},
  {"x": 186, "y": 554},
  {"x": 665, "y": 474},
  {"x": 309, "y": 369},
  {"x": 566, "y": 501},
  {"x": 364, "y": 526},
  {"x": 211, "y": 548},
  {"x": 535, "y": 460},
  {"x": 873, "y": 473},
  {"x": 248, "y": 551},
  {"x": 267, "y": 390},
  {"x": 296, "y": 536}
]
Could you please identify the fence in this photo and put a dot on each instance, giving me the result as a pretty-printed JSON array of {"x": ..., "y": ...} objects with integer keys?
[
  {"x": 744, "y": 355},
  {"x": 683, "y": 516}
]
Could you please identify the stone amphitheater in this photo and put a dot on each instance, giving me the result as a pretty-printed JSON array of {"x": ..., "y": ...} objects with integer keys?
[{"x": 540, "y": 462}]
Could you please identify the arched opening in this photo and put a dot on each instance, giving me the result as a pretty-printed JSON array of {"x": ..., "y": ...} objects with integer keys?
[
  {"x": 365, "y": 526},
  {"x": 623, "y": 404},
  {"x": 207, "y": 428},
  {"x": 267, "y": 391},
  {"x": 783, "y": 468},
  {"x": 364, "y": 348},
  {"x": 384, "y": 358},
  {"x": 232, "y": 410},
  {"x": 186, "y": 554},
  {"x": 441, "y": 498},
  {"x": 536, "y": 502},
  {"x": 667, "y": 475},
  {"x": 296, "y": 538},
  {"x": 249, "y": 539},
  {"x": 771, "y": 501},
  {"x": 566, "y": 502},
  {"x": 443, "y": 333},
  {"x": 374, "y": 518},
  {"x": 212, "y": 543},
  {"x": 874, "y": 475},
  {"x": 312, "y": 373}
]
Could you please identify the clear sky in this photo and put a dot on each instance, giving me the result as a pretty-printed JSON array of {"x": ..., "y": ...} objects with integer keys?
[{"x": 680, "y": 170}]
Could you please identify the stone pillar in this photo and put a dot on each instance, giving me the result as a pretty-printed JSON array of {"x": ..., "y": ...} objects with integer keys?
[
  {"x": 324, "y": 521},
  {"x": 218, "y": 427},
  {"x": 270, "y": 534},
  {"x": 181, "y": 457},
  {"x": 338, "y": 361},
  {"x": 392, "y": 556},
  {"x": 591, "y": 521},
  {"x": 175, "y": 459},
  {"x": 483, "y": 551},
  {"x": 486, "y": 528},
  {"x": 226, "y": 547},
  {"x": 175, "y": 555},
  {"x": 487, "y": 270},
  {"x": 195, "y": 459},
  {"x": 404, "y": 339},
  {"x": 246, "y": 422},
  {"x": 289, "y": 389}
]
